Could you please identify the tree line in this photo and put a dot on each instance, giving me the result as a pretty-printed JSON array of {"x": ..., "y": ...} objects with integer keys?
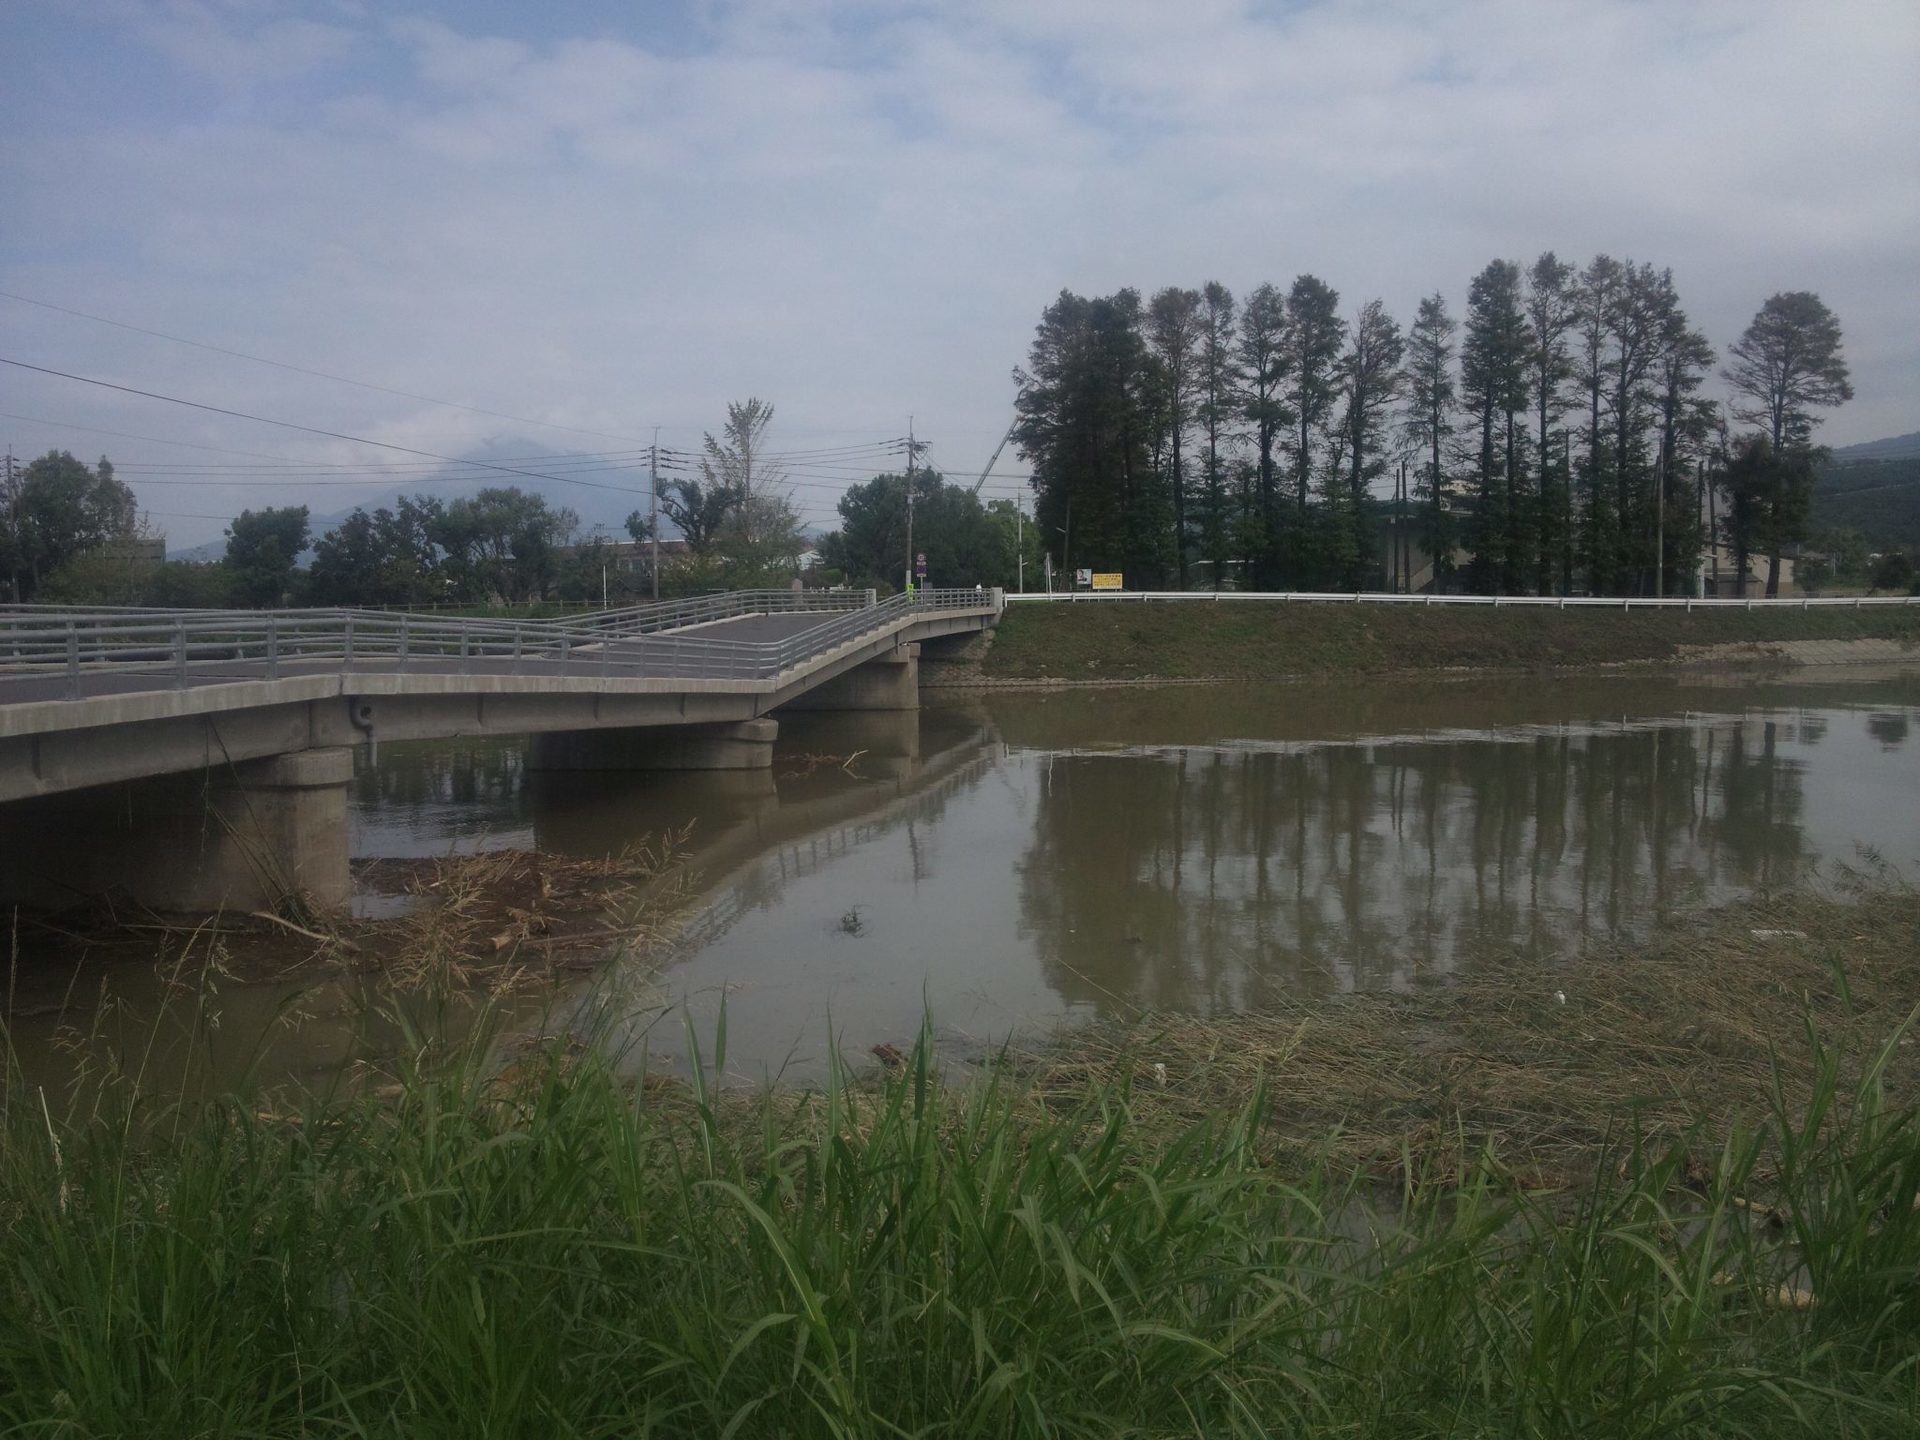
[
  {"x": 1554, "y": 439},
  {"x": 73, "y": 534}
]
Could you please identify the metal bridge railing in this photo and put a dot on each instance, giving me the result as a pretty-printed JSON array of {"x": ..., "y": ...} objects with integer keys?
[
  {"x": 1366, "y": 597},
  {"x": 136, "y": 650}
]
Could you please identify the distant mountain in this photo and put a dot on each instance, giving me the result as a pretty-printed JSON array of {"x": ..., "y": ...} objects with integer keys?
[
  {"x": 1900, "y": 447},
  {"x": 1873, "y": 488}
]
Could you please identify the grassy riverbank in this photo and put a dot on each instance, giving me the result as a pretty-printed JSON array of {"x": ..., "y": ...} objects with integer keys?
[
  {"x": 1268, "y": 641},
  {"x": 1070, "y": 1247}
]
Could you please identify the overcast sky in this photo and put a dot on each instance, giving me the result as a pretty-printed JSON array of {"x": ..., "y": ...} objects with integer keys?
[{"x": 615, "y": 216}]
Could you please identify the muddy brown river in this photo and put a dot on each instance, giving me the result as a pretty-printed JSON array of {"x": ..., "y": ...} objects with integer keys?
[{"x": 1006, "y": 861}]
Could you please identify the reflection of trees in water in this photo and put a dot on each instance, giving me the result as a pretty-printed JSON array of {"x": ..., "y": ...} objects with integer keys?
[
  {"x": 1219, "y": 877},
  {"x": 438, "y": 773},
  {"x": 1889, "y": 727}
]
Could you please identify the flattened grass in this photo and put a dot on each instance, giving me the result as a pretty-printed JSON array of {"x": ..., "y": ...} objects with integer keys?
[{"x": 1272, "y": 641}]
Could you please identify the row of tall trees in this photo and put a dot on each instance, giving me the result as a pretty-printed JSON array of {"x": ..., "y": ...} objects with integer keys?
[{"x": 1555, "y": 438}]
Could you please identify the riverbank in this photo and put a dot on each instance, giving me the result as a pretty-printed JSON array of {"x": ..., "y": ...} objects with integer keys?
[
  {"x": 1684, "y": 1035},
  {"x": 1068, "y": 643},
  {"x": 1153, "y": 1227}
]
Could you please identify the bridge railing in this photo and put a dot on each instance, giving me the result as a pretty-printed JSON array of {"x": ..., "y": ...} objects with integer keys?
[
  {"x": 706, "y": 609},
  {"x": 1381, "y": 597},
  {"x": 141, "y": 650}
]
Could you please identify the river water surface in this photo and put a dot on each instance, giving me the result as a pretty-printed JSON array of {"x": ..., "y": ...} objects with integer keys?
[{"x": 1006, "y": 860}]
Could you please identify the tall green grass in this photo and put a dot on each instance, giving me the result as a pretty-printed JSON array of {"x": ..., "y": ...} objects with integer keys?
[{"x": 560, "y": 1252}]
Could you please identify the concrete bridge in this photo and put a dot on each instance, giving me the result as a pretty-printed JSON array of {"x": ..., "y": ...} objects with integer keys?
[{"x": 199, "y": 760}]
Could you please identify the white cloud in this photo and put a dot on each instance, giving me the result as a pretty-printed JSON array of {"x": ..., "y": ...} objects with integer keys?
[{"x": 859, "y": 210}]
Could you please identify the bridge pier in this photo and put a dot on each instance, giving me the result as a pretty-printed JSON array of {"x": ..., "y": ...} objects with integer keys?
[
  {"x": 889, "y": 682},
  {"x": 246, "y": 836},
  {"x": 742, "y": 745}
]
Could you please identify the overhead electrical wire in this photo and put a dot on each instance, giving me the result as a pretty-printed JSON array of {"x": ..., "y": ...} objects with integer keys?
[
  {"x": 304, "y": 370},
  {"x": 309, "y": 429}
]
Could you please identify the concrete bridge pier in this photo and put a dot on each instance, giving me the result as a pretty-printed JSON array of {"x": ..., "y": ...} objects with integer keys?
[
  {"x": 740, "y": 745},
  {"x": 246, "y": 836},
  {"x": 887, "y": 682}
]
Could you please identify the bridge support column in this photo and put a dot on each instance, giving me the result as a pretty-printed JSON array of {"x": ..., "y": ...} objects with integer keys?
[
  {"x": 743, "y": 745},
  {"x": 249, "y": 836},
  {"x": 891, "y": 682}
]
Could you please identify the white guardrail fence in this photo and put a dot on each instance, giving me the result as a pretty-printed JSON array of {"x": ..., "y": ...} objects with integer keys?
[
  {"x": 1381, "y": 597},
  {"x": 178, "y": 648}
]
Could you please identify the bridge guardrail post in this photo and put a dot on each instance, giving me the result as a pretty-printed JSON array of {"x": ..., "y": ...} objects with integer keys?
[
  {"x": 346, "y": 644},
  {"x": 403, "y": 642},
  {"x": 73, "y": 662},
  {"x": 273, "y": 647},
  {"x": 180, "y": 653},
  {"x": 516, "y": 646}
]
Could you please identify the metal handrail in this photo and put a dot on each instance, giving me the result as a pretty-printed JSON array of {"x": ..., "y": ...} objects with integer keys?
[
  {"x": 182, "y": 645},
  {"x": 1371, "y": 597}
]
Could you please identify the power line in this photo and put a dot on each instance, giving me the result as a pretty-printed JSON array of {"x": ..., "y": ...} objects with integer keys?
[
  {"x": 304, "y": 370},
  {"x": 149, "y": 439},
  {"x": 309, "y": 429}
]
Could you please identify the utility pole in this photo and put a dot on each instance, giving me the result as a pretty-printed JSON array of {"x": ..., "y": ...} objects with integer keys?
[
  {"x": 653, "y": 507},
  {"x": 908, "y": 590},
  {"x": 1402, "y": 556},
  {"x": 1660, "y": 532},
  {"x": 10, "y": 490},
  {"x": 1019, "y": 541}
]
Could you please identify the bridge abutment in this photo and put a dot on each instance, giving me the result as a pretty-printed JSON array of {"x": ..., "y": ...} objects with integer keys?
[
  {"x": 888, "y": 682},
  {"x": 246, "y": 836},
  {"x": 741, "y": 745}
]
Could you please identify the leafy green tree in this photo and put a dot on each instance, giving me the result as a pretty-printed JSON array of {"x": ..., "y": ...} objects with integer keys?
[
  {"x": 1019, "y": 543},
  {"x": 1173, "y": 333},
  {"x": 100, "y": 577},
  {"x": 762, "y": 542},
  {"x": 1552, "y": 312},
  {"x": 1370, "y": 378},
  {"x": 1218, "y": 385},
  {"x": 501, "y": 543},
  {"x": 1894, "y": 572},
  {"x": 699, "y": 511},
  {"x": 1636, "y": 331},
  {"x": 963, "y": 542},
  {"x": 1428, "y": 425},
  {"x": 1313, "y": 338},
  {"x": 1686, "y": 421},
  {"x": 734, "y": 464},
  {"x": 55, "y": 509},
  {"x": 1264, "y": 361},
  {"x": 1786, "y": 366},
  {"x": 1767, "y": 494},
  {"x": 1596, "y": 295},
  {"x": 1494, "y": 363},
  {"x": 262, "y": 548},
  {"x": 386, "y": 557}
]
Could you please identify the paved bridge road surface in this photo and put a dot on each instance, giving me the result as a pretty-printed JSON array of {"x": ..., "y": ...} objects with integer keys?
[{"x": 199, "y": 759}]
